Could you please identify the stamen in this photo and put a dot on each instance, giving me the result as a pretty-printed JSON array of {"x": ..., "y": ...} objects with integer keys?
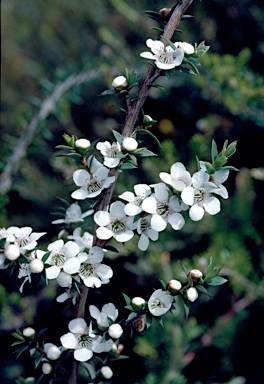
[
  {"x": 58, "y": 259},
  {"x": 113, "y": 151},
  {"x": 163, "y": 209},
  {"x": 87, "y": 270},
  {"x": 94, "y": 185},
  {"x": 144, "y": 225},
  {"x": 199, "y": 195},
  {"x": 157, "y": 304},
  {"x": 117, "y": 226},
  {"x": 85, "y": 341},
  {"x": 22, "y": 241}
]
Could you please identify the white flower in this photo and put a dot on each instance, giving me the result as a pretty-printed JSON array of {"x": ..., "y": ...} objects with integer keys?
[
  {"x": 82, "y": 144},
  {"x": 91, "y": 184},
  {"x": 115, "y": 331},
  {"x": 84, "y": 241},
  {"x": 146, "y": 232},
  {"x": 165, "y": 57},
  {"x": 159, "y": 302},
  {"x": 186, "y": 47},
  {"x": 73, "y": 215},
  {"x": 12, "y": 251},
  {"x": 119, "y": 82},
  {"x": 25, "y": 272},
  {"x": 114, "y": 223},
  {"x": 52, "y": 351},
  {"x": 24, "y": 238},
  {"x": 28, "y": 332},
  {"x": 92, "y": 272},
  {"x": 68, "y": 294},
  {"x": 84, "y": 341},
  {"x": 218, "y": 178},
  {"x": 134, "y": 202},
  {"x": 109, "y": 151},
  {"x": 129, "y": 144},
  {"x": 109, "y": 311},
  {"x": 192, "y": 294},
  {"x": 178, "y": 178},
  {"x": 164, "y": 209},
  {"x": 63, "y": 256},
  {"x": 200, "y": 196},
  {"x": 106, "y": 372}
]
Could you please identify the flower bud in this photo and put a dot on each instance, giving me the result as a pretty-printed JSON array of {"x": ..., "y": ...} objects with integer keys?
[
  {"x": 30, "y": 380},
  {"x": 147, "y": 118},
  {"x": 165, "y": 13},
  {"x": 36, "y": 266},
  {"x": 115, "y": 331},
  {"x": 106, "y": 372},
  {"x": 120, "y": 83},
  {"x": 53, "y": 353},
  {"x": 192, "y": 294},
  {"x": 195, "y": 275},
  {"x": 83, "y": 144},
  {"x": 138, "y": 303},
  {"x": 46, "y": 368},
  {"x": 130, "y": 144},
  {"x": 187, "y": 48},
  {"x": 12, "y": 252},
  {"x": 64, "y": 279},
  {"x": 174, "y": 286},
  {"x": 29, "y": 332}
]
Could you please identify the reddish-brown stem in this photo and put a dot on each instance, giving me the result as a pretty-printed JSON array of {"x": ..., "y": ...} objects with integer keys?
[{"x": 129, "y": 125}]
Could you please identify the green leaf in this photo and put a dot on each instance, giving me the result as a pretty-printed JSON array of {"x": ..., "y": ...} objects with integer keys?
[
  {"x": 127, "y": 299},
  {"x": 142, "y": 132},
  {"x": 214, "y": 152},
  {"x": 202, "y": 289},
  {"x": 145, "y": 153},
  {"x": 185, "y": 306},
  {"x": 158, "y": 29},
  {"x": 120, "y": 357},
  {"x": 133, "y": 159},
  {"x": 17, "y": 343},
  {"x": 217, "y": 280},
  {"x": 164, "y": 285},
  {"x": 63, "y": 147},
  {"x": 229, "y": 168},
  {"x": 170, "y": 43},
  {"x": 132, "y": 316},
  {"x": 186, "y": 271},
  {"x": 210, "y": 266},
  {"x": 108, "y": 92},
  {"x": 120, "y": 108},
  {"x": 21, "y": 350},
  {"x": 119, "y": 138},
  {"x": 74, "y": 155},
  {"x": 186, "y": 17},
  {"x": 127, "y": 166},
  {"x": 45, "y": 256},
  {"x": 18, "y": 335},
  {"x": 111, "y": 248}
]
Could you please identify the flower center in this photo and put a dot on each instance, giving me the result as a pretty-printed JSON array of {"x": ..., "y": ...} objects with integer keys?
[
  {"x": 138, "y": 201},
  {"x": 85, "y": 341},
  {"x": 22, "y": 241},
  {"x": 157, "y": 304},
  {"x": 94, "y": 185},
  {"x": 58, "y": 259},
  {"x": 117, "y": 226},
  {"x": 113, "y": 151},
  {"x": 163, "y": 209},
  {"x": 144, "y": 225},
  {"x": 166, "y": 57},
  {"x": 87, "y": 270},
  {"x": 199, "y": 196}
]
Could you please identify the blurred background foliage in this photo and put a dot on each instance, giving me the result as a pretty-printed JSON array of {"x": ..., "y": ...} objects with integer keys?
[{"x": 43, "y": 43}]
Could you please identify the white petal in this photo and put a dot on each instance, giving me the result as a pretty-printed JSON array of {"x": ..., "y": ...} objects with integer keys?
[
  {"x": 153, "y": 235},
  {"x": 69, "y": 340},
  {"x": 83, "y": 354},
  {"x": 77, "y": 325},
  {"x": 161, "y": 192},
  {"x": 72, "y": 265},
  {"x": 81, "y": 177},
  {"x": 52, "y": 272},
  {"x": 143, "y": 242},
  {"x": 63, "y": 297},
  {"x": 96, "y": 254},
  {"x": 92, "y": 281},
  {"x": 102, "y": 218},
  {"x": 108, "y": 181},
  {"x": 104, "y": 233},
  {"x": 148, "y": 55},
  {"x": 196, "y": 212},
  {"x": 70, "y": 249},
  {"x": 117, "y": 209},
  {"x": 166, "y": 177},
  {"x": 177, "y": 169},
  {"x": 212, "y": 205},
  {"x": 221, "y": 191},
  {"x": 80, "y": 194},
  {"x": 158, "y": 223},
  {"x": 94, "y": 311},
  {"x": 64, "y": 280},
  {"x": 142, "y": 190},
  {"x": 104, "y": 271},
  {"x": 111, "y": 162},
  {"x": 176, "y": 220},
  {"x": 124, "y": 236},
  {"x": 187, "y": 195},
  {"x": 127, "y": 196},
  {"x": 132, "y": 209},
  {"x": 149, "y": 205},
  {"x": 199, "y": 178},
  {"x": 221, "y": 176}
]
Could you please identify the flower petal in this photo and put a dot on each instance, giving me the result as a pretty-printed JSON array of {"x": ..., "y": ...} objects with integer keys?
[
  {"x": 196, "y": 212},
  {"x": 83, "y": 354},
  {"x": 69, "y": 340},
  {"x": 78, "y": 325}
]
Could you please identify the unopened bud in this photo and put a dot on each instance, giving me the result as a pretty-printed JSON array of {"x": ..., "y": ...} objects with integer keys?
[
  {"x": 106, "y": 372},
  {"x": 231, "y": 149},
  {"x": 192, "y": 294},
  {"x": 29, "y": 332},
  {"x": 36, "y": 266},
  {"x": 69, "y": 139},
  {"x": 64, "y": 279},
  {"x": 174, "y": 286},
  {"x": 195, "y": 275},
  {"x": 129, "y": 144},
  {"x": 30, "y": 380},
  {"x": 165, "y": 13},
  {"x": 115, "y": 331},
  {"x": 53, "y": 353},
  {"x": 147, "y": 118},
  {"x": 82, "y": 144},
  {"x": 12, "y": 252},
  {"x": 46, "y": 368},
  {"x": 138, "y": 303},
  {"x": 120, "y": 83},
  {"x": 186, "y": 47}
]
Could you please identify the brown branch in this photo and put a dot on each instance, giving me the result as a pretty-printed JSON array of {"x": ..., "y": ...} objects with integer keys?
[{"x": 128, "y": 128}]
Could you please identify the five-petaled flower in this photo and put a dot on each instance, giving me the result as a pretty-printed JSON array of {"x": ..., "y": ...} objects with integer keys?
[
  {"x": 159, "y": 302},
  {"x": 109, "y": 151},
  {"x": 84, "y": 341},
  {"x": 93, "y": 182},
  {"x": 135, "y": 201},
  {"x": 114, "y": 223},
  {"x": 73, "y": 214},
  {"x": 106, "y": 317}
]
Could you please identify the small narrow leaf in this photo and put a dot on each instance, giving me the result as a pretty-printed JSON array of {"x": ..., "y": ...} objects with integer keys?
[
  {"x": 127, "y": 166},
  {"x": 127, "y": 299},
  {"x": 141, "y": 132},
  {"x": 119, "y": 138},
  {"x": 186, "y": 271},
  {"x": 217, "y": 280},
  {"x": 214, "y": 152},
  {"x": 118, "y": 107},
  {"x": 170, "y": 43},
  {"x": 108, "y": 92}
]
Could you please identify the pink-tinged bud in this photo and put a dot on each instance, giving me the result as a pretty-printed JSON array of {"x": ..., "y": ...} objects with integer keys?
[
  {"x": 195, "y": 275},
  {"x": 115, "y": 331},
  {"x": 82, "y": 144},
  {"x": 106, "y": 372},
  {"x": 129, "y": 144},
  {"x": 192, "y": 294},
  {"x": 120, "y": 83},
  {"x": 174, "y": 286},
  {"x": 138, "y": 303},
  {"x": 36, "y": 266},
  {"x": 165, "y": 13},
  {"x": 46, "y": 368},
  {"x": 29, "y": 332},
  {"x": 12, "y": 252}
]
